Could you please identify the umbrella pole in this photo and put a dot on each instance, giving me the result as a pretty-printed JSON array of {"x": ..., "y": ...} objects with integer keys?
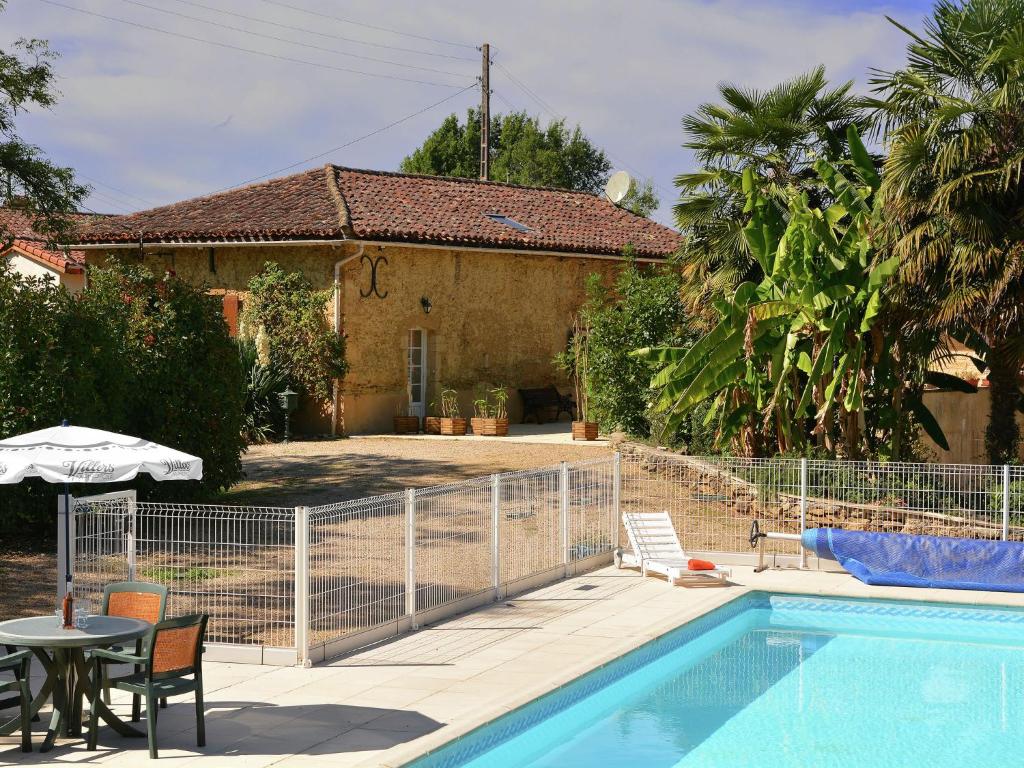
[
  {"x": 68, "y": 605},
  {"x": 67, "y": 537}
]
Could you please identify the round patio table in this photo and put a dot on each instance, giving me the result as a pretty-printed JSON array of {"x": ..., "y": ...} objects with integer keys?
[{"x": 62, "y": 654}]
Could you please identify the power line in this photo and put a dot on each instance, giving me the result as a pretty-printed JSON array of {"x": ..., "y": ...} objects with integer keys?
[
  {"x": 368, "y": 26},
  {"x": 545, "y": 107},
  {"x": 307, "y": 31},
  {"x": 127, "y": 195},
  {"x": 525, "y": 89},
  {"x": 311, "y": 46},
  {"x": 347, "y": 144},
  {"x": 116, "y": 205},
  {"x": 265, "y": 54}
]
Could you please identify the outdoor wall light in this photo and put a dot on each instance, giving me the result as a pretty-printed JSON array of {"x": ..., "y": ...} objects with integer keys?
[{"x": 427, "y": 306}]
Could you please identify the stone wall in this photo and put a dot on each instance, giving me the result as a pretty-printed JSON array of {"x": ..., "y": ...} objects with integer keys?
[{"x": 494, "y": 318}]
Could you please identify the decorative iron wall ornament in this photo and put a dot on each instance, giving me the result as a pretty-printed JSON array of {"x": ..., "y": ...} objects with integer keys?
[{"x": 373, "y": 289}]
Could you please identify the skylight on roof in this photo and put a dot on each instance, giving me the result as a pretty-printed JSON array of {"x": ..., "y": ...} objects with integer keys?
[{"x": 502, "y": 219}]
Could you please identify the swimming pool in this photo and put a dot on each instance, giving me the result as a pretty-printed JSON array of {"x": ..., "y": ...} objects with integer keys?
[{"x": 785, "y": 681}]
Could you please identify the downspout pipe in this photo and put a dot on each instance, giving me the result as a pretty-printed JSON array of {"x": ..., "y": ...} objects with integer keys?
[{"x": 338, "y": 265}]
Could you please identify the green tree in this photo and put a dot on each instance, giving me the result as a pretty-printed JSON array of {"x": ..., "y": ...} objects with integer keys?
[
  {"x": 522, "y": 152},
  {"x": 796, "y": 354},
  {"x": 45, "y": 191},
  {"x": 777, "y": 135},
  {"x": 641, "y": 309},
  {"x": 953, "y": 184}
]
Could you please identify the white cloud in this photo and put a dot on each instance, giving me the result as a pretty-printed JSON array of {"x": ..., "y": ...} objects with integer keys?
[{"x": 165, "y": 118}]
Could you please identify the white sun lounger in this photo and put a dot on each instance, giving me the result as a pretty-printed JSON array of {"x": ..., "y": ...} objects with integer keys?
[{"x": 656, "y": 549}]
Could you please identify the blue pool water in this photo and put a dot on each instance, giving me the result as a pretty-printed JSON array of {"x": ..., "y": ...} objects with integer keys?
[{"x": 788, "y": 682}]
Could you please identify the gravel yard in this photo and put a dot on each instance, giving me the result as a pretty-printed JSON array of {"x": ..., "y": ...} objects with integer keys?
[{"x": 321, "y": 472}]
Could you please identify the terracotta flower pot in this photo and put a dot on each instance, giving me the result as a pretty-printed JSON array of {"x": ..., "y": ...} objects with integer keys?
[
  {"x": 584, "y": 430},
  {"x": 456, "y": 426},
  {"x": 432, "y": 425},
  {"x": 407, "y": 425}
]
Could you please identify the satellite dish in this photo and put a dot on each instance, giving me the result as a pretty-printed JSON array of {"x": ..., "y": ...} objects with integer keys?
[{"x": 618, "y": 187}]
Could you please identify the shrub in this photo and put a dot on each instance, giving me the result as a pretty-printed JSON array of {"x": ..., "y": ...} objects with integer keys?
[
  {"x": 134, "y": 353},
  {"x": 642, "y": 309},
  {"x": 294, "y": 318},
  {"x": 263, "y": 415}
]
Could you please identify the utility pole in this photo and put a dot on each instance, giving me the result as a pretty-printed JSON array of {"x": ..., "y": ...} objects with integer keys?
[{"x": 485, "y": 113}]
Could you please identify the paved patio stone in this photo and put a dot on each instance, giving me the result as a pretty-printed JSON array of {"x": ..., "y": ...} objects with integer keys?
[{"x": 386, "y": 704}]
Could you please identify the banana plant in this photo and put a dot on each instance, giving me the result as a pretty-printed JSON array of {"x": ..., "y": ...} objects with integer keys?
[{"x": 791, "y": 356}]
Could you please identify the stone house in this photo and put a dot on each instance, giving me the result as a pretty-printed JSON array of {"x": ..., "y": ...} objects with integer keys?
[{"x": 436, "y": 282}]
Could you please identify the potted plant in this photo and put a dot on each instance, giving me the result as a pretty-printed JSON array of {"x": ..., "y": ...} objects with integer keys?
[
  {"x": 432, "y": 422},
  {"x": 575, "y": 362},
  {"x": 495, "y": 420},
  {"x": 404, "y": 423},
  {"x": 481, "y": 409},
  {"x": 451, "y": 422},
  {"x": 490, "y": 412}
]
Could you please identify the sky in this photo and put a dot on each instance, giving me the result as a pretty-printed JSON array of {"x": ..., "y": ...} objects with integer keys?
[{"x": 192, "y": 98}]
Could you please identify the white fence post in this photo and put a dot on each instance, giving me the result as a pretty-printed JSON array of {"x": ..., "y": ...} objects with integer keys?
[
  {"x": 803, "y": 510},
  {"x": 130, "y": 535},
  {"x": 410, "y": 555},
  {"x": 616, "y": 499},
  {"x": 563, "y": 496},
  {"x": 496, "y": 534},
  {"x": 1006, "y": 502},
  {"x": 302, "y": 586}
]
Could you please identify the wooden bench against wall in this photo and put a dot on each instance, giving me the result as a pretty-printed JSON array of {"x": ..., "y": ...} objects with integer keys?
[{"x": 543, "y": 402}]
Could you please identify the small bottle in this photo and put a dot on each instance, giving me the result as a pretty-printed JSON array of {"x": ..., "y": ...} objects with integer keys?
[{"x": 68, "y": 610}]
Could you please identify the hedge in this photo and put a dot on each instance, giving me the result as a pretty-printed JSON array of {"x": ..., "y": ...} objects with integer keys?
[{"x": 134, "y": 353}]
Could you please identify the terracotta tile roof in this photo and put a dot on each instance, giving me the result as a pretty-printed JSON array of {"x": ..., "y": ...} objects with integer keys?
[
  {"x": 26, "y": 241},
  {"x": 17, "y": 223},
  {"x": 289, "y": 208},
  {"x": 334, "y": 202},
  {"x": 70, "y": 262}
]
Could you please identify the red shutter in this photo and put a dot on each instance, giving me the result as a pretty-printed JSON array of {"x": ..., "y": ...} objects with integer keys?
[{"x": 231, "y": 312}]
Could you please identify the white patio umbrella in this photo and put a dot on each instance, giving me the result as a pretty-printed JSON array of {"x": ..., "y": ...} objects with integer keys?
[{"x": 67, "y": 454}]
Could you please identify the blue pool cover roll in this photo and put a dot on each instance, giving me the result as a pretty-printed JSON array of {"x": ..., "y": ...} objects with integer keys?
[{"x": 901, "y": 560}]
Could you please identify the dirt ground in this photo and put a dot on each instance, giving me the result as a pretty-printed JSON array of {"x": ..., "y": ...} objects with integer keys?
[{"x": 311, "y": 473}]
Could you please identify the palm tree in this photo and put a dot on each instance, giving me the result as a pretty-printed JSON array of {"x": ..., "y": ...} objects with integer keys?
[
  {"x": 954, "y": 117},
  {"x": 777, "y": 134}
]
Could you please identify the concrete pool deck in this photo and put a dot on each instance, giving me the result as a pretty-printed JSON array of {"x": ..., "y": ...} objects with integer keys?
[{"x": 387, "y": 704}]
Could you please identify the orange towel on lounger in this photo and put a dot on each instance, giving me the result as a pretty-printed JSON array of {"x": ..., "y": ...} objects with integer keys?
[{"x": 700, "y": 565}]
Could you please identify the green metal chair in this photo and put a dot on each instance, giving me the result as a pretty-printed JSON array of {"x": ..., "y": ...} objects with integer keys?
[
  {"x": 170, "y": 665},
  {"x": 18, "y": 663},
  {"x": 134, "y": 600}
]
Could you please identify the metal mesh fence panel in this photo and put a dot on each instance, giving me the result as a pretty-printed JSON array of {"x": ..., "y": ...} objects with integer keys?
[
  {"x": 592, "y": 516},
  {"x": 453, "y": 542},
  {"x": 356, "y": 566},
  {"x": 103, "y": 549},
  {"x": 931, "y": 499},
  {"x": 529, "y": 523},
  {"x": 714, "y": 500},
  {"x": 236, "y": 564}
]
